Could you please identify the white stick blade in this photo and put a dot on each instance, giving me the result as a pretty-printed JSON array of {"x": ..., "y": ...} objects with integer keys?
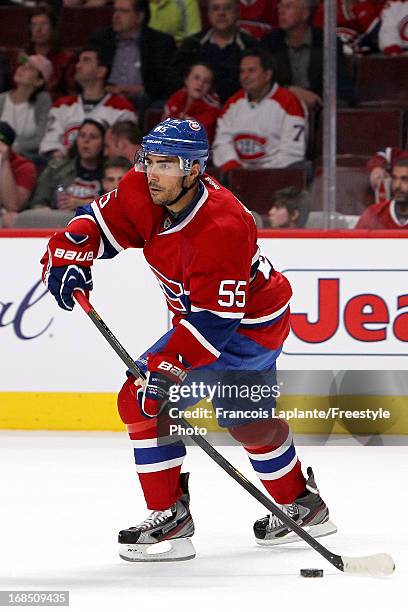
[{"x": 373, "y": 565}]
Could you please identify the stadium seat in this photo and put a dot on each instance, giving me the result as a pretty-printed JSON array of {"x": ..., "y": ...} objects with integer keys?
[
  {"x": 78, "y": 23},
  {"x": 354, "y": 193},
  {"x": 14, "y": 22},
  {"x": 254, "y": 187},
  {"x": 362, "y": 130},
  {"x": 381, "y": 78},
  {"x": 348, "y": 160}
]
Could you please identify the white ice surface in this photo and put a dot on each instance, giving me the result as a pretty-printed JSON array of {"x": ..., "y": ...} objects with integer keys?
[{"x": 64, "y": 497}]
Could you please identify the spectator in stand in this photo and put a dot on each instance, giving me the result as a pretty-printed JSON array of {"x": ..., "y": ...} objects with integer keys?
[
  {"x": 25, "y": 108},
  {"x": 45, "y": 40},
  {"x": 196, "y": 100},
  {"x": 179, "y": 19},
  {"x": 297, "y": 50},
  {"x": 66, "y": 184},
  {"x": 123, "y": 139},
  {"x": 391, "y": 214},
  {"x": 258, "y": 17},
  {"x": 220, "y": 47},
  {"x": 67, "y": 113},
  {"x": 379, "y": 168},
  {"x": 261, "y": 126},
  {"x": 114, "y": 170},
  {"x": 139, "y": 55},
  {"x": 288, "y": 209},
  {"x": 17, "y": 177},
  {"x": 393, "y": 35},
  {"x": 358, "y": 23}
]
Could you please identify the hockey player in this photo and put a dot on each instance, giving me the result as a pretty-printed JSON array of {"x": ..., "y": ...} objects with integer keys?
[{"x": 230, "y": 313}]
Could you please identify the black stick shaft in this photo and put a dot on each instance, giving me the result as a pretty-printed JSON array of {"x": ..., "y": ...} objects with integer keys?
[{"x": 334, "y": 559}]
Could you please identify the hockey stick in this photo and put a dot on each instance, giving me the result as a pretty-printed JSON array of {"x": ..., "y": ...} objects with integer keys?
[{"x": 380, "y": 564}]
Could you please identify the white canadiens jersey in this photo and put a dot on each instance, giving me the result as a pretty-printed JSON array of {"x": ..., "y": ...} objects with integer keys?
[
  {"x": 265, "y": 134},
  {"x": 67, "y": 114},
  {"x": 393, "y": 34}
]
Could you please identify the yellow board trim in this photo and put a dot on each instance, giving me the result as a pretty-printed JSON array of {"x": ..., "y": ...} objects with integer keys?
[{"x": 98, "y": 412}]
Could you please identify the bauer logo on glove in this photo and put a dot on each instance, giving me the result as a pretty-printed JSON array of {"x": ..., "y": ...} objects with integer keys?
[
  {"x": 180, "y": 373},
  {"x": 68, "y": 260},
  {"x": 164, "y": 372}
]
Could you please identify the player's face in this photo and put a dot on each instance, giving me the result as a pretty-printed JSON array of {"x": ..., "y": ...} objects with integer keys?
[
  {"x": 89, "y": 142},
  {"x": 199, "y": 82},
  {"x": 291, "y": 13},
  {"x": 280, "y": 217},
  {"x": 254, "y": 79},
  {"x": 164, "y": 178},
  {"x": 111, "y": 178},
  {"x": 222, "y": 14},
  {"x": 125, "y": 19},
  {"x": 399, "y": 178}
]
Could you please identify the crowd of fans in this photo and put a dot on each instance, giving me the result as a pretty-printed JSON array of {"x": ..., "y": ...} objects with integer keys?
[{"x": 251, "y": 71}]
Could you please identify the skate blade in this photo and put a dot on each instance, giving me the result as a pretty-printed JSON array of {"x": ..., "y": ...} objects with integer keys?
[
  {"x": 180, "y": 549},
  {"x": 317, "y": 531}
]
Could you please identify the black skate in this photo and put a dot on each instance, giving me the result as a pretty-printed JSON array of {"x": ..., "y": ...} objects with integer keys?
[
  {"x": 164, "y": 535},
  {"x": 308, "y": 510}
]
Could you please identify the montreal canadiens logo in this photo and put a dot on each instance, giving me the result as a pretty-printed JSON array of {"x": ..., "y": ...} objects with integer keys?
[
  {"x": 195, "y": 126},
  {"x": 250, "y": 146},
  {"x": 403, "y": 29},
  {"x": 70, "y": 135}
]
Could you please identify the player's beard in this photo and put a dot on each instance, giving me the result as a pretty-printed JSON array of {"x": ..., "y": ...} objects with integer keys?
[{"x": 163, "y": 197}]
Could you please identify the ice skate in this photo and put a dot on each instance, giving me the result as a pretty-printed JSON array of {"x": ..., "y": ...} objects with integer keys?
[
  {"x": 164, "y": 535},
  {"x": 308, "y": 510}
]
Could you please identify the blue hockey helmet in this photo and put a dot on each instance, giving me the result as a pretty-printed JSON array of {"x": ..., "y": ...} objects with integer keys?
[{"x": 182, "y": 138}]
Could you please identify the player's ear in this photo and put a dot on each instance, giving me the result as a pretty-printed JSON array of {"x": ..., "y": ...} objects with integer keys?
[{"x": 194, "y": 173}]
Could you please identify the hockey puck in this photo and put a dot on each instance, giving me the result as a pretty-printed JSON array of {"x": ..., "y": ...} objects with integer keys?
[{"x": 311, "y": 573}]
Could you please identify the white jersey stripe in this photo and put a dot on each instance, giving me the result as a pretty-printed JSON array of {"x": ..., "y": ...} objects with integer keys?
[
  {"x": 279, "y": 473},
  {"x": 207, "y": 345},
  {"x": 189, "y": 217},
  {"x": 147, "y": 468},
  {"x": 275, "y": 453},
  {"x": 90, "y": 217},
  {"x": 266, "y": 318},
  {"x": 105, "y": 228},
  {"x": 223, "y": 315},
  {"x": 153, "y": 442}
]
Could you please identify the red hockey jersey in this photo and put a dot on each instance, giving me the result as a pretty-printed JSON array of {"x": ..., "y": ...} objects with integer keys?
[
  {"x": 381, "y": 215},
  {"x": 258, "y": 17},
  {"x": 208, "y": 265},
  {"x": 206, "y": 110}
]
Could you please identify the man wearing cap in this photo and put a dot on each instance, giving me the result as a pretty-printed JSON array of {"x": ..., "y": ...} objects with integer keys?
[
  {"x": 17, "y": 177},
  {"x": 25, "y": 108}
]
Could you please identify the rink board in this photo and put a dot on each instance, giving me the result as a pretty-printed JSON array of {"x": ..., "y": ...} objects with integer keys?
[{"x": 350, "y": 312}]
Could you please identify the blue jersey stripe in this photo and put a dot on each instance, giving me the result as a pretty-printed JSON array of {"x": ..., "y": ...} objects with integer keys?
[
  {"x": 157, "y": 454},
  {"x": 273, "y": 465}
]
